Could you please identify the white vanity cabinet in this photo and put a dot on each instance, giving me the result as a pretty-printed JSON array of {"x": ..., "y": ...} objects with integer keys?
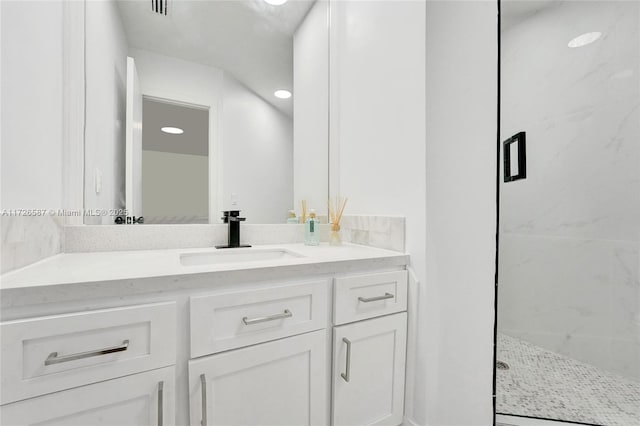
[
  {"x": 282, "y": 379},
  {"x": 369, "y": 349},
  {"x": 144, "y": 399},
  {"x": 320, "y": 350},
  {"x": 369, "y": 371},
  {"x": 225, "y": 321},
  {"x": 283, "y": 382},
  {"x": 101, "y": 367},
  {"x": 52, "y": 353}
]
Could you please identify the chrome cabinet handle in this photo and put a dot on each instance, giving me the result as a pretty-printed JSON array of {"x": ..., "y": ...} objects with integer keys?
[
  {"x": 160, "y": 403},
  {"x": 203, "y": 382},
  {"x": 375, "y": 299},
  {"x": 53, "y": 357},
  {"x": 285, "y": 314},
  {"x": 347, "y": 371}
]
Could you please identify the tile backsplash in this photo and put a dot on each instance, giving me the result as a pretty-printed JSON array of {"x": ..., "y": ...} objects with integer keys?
[
  {"x": 26, "y": 240},
  {"x": 386, "y": 232},
  {"x": 92, "y": 238}
]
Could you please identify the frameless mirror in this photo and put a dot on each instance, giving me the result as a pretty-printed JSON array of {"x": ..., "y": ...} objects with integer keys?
[{"x": 195, "y": 107}]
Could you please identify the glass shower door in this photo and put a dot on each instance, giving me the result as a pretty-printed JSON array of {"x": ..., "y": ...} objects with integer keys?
[{"x": 568, "y": 342}]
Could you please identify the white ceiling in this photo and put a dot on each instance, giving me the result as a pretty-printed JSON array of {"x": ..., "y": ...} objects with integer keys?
[
  {"x": 513, "y": 12},
  {"x": 250, "y": 39}
]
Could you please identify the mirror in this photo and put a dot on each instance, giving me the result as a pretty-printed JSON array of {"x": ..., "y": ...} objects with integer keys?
[{"x": 195, "y": 107}]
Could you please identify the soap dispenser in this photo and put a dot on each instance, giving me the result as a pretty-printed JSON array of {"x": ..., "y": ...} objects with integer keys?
[
  {"x": 292, "y": 217},
  {"x": 312, "y": 233}
]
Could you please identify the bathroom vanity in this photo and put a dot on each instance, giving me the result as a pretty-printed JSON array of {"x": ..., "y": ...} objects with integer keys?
[{"x": 280, "y": 335}]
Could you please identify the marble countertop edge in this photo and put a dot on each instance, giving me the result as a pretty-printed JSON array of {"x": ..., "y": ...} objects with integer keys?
[{"x": 76, "y": 276}]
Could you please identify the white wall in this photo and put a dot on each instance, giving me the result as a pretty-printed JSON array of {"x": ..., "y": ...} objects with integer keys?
[
  {"x": 257, "y": 156},
  {"x": 311, "y": 109},
  {"x": 106, "y": 88},
  {"x": 32, "y": 104},
  {"x": 377, "y": 119},
  {"x": 380, "y": 106},
  {"x": 254, "y": 159},
  {"x": 32, "y": 122},
  {"x": 461, "y": 211},
  {"x": 570, "y": 233},
  {"x": 445, "y": 186}
]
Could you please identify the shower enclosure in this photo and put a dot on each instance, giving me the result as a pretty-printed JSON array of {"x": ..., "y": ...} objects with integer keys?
[{"x": 568, "y": 341}]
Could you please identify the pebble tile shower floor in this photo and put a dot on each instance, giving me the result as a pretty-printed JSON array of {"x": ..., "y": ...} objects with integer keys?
[{"x": 544, "y": 384}]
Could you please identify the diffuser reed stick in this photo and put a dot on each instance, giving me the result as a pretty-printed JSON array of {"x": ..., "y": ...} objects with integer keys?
[
  {"x": 336, "y": 209},
  {"x": 303, "y": 212}
]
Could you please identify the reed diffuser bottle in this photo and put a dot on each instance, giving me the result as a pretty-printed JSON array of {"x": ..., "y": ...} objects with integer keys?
[
  {"x": 312, "y": 232},
  {"x": 336, "y": 209}
]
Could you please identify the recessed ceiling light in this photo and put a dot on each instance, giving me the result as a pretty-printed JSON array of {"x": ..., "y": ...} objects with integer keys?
[
  {"x": 584, "y": 39},
  {"x": 173, "y": 130},
  {"x": 282, "y": 94},
  {"x": 276, "y": 2}
]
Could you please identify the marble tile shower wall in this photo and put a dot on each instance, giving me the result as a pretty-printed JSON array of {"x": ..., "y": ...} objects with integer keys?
[
  {"x": 570, "y": 233},
  {"x": 26, "y": 240}
]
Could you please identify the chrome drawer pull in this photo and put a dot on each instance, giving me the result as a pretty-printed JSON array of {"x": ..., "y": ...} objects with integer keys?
[
  {"x": 53, "y": 357},
  {"x": 375, "y": 299},
  {"x": 160, "y": 403},
  {"x": 203, "y": 383},
  {"x": 347, "y": 371},
  {"x": 285, "y": 314}
]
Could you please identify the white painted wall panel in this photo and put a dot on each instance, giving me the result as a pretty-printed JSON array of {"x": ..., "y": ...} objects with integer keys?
[
  {"x": 458, "y": 298},
  {"x": 441, "y": 177},
  {"x": 32, "y": 104},
  {"x": 311, "y": 109},
  {"x": 106, "y": 90}
]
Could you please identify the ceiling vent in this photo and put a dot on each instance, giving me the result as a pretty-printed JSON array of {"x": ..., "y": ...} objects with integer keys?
[{"x": 161, "y": 7}]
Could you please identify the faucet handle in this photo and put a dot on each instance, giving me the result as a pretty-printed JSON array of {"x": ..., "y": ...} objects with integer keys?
[{"x": 233, "y": 215}]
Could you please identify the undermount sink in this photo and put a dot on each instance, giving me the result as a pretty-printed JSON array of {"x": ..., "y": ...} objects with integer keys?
[{"x": 226, "y": 256}]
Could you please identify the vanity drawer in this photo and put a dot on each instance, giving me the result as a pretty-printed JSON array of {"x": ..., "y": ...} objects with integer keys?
[
  {"x": 48, "y": 354},
  {"x": 232, "y": 320},
  {"x": 366, "y": 296}
]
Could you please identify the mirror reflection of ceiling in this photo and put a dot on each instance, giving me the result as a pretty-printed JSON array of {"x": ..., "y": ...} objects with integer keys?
[
  {"x": 250, "y": 39},
  {"x": 193, "y": 121},
  {"x": 513, "y": 12}
]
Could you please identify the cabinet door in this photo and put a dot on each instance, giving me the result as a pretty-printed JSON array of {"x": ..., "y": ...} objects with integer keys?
[
  {"x": 145, "y": 399},
  {"x": 277, "y": 383},
  {"x": 369, "y": 371}
]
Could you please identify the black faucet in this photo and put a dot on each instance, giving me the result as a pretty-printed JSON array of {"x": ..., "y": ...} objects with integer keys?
[{"x": 232, "y": 218}]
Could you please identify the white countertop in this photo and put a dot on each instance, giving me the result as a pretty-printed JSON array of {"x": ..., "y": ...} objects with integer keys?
[{"x": 102, "y": 269}]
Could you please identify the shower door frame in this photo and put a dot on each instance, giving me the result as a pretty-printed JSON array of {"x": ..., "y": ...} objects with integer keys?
[{"x": 500, "y": 419}]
